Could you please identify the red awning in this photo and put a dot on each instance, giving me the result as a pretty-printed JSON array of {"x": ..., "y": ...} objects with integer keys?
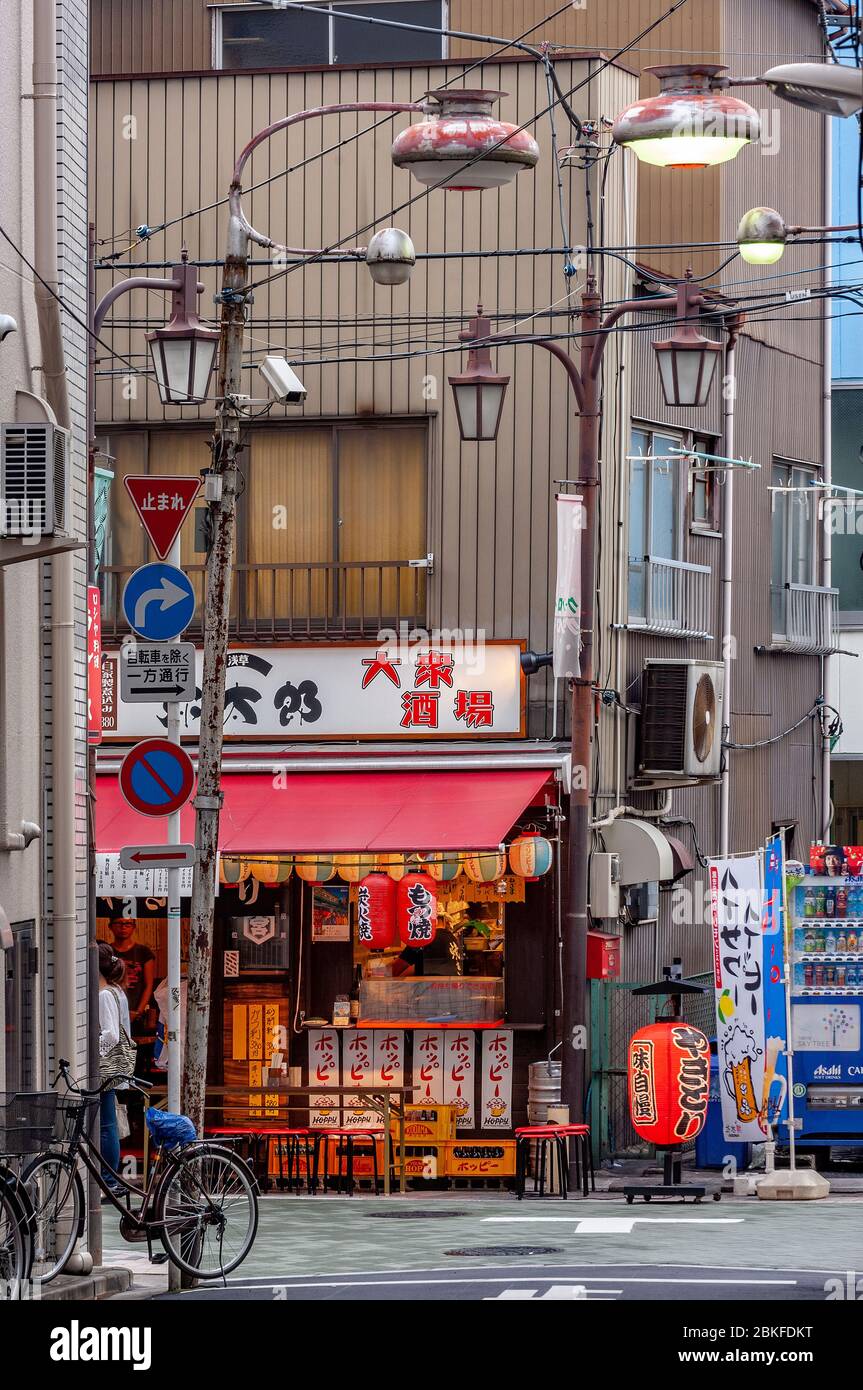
[{"x": 340, "y": 811}]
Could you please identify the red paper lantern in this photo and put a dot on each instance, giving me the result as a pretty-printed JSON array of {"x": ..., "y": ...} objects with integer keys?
[
  {"x": 416, "y": 909},
  {"x": 376, "y": 912},
  {"x": 669, "y": 1080}
]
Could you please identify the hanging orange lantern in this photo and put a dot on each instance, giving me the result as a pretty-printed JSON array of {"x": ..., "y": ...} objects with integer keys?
[
  {"x": 376, "y": 912},
  {"x": 443, "y": 865},
  {"x": 485, "y": 866},
  {"x": 530, "y": 855},
  {"x": 233, "y": 870},
  {"x": 669, "y": 1079},
  {"x": 394, "y": 864},
  {"x": 416, "y": 910},
  {"x": 271, "y": 869},
  {"x": 314, "y": 868},
  {"x": 353, "y": 867}
]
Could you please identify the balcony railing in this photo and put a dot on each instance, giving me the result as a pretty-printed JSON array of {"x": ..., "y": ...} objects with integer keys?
[
  {"x": 343, "y": 599},
  {"x": 804, "y": 618},
  {"x": 670, "y": 597}
]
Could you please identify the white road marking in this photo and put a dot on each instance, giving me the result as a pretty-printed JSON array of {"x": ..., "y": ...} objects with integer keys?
[
  {"x": 619, "y": 1225},
  {"x": 518, "y": 1279}
]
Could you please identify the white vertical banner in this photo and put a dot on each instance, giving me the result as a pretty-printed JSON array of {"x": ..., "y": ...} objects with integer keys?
[
  {"x": 567, "y": 597},
  {"x": 428, "y": 1066},
  {"x": 496, "y": 1104},
  {"x": 736, "y": 895},
  {"x": 460, "y": 1075},
  {"x": 324, "y": 1110},
  {"x": 389, "y": 1065},
  {"x": 358, "y": 1069}
]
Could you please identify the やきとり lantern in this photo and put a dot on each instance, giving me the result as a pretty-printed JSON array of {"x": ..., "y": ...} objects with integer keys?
[
  {"x": 376, "y": 912},
  {"x": 530, "y": 855},
  {"x": 669, "y": 1078},
  {"x": 416, "y": 910}
]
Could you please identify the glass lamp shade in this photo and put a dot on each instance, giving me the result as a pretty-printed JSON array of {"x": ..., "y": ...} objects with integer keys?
[
  {"x": 463, "y": 147},
  {"x": 687, "y": 365},
  {"x": 687, "y": 151},
  {"x": 183, "y": 363},
  {"x": 478, "y": 403},
  {"x": 762, "y": 252},
  {"x": 693, "y": 123}
]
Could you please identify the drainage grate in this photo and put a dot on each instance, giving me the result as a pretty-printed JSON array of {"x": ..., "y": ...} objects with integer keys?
[
  {"x": 415, "y": 1215},
  {"x": 494, "y": 1250}
]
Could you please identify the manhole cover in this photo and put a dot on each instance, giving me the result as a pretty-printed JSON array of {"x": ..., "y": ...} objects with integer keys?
[
  {"x": 415, "y": 1215},
  {"x": 493, "y": 1250}
]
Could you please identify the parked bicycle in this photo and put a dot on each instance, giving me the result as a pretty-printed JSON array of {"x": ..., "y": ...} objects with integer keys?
[
  {"x": 200, "y": 1200},
  {"x": 27, "y": 1124}
]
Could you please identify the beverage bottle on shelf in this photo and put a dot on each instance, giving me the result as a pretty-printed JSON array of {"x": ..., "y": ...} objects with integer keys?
[
  {"x": 841, "y": 943},
  {"x": 808, "y": 942},
  {"x": 830, "y": 902},
  {"x": 851, "y": 941},
  {"x": 830, "y": 975},
  {"x": 819, "y": 940},
  {"x": 820, "y": 902},
  {"x": 830, "y": 943},
  {"x": 819, "y": 975},
  {"x": 841, "y": 902},
  {"x": 809, "y": 903},
  {"x": 808, "y": 974},
  {"x": 840, "y": 977},
  {"x": 355, "y": 994}
]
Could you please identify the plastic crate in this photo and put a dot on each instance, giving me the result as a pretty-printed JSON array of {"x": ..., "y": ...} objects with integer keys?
[
  {"x": 427, "y": 1124},
  {"x": 480, "y": 1158},
  {"x": 27, "y": 1121}
]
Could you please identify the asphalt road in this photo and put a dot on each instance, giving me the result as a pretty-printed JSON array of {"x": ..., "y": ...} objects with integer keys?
[{"x": 553, "y": 1283}]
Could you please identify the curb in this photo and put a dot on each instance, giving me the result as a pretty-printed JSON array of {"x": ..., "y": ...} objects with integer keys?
[{"x": 104, "y": 1282}]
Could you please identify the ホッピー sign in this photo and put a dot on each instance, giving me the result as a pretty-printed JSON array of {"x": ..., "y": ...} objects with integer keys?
[{"x": 157, "y": 777}]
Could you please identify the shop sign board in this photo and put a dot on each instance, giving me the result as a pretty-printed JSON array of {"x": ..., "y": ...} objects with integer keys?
[
  {"x": 460, "y": 1074},
  {"x": 352, "y": 690},
  {"x": 113, "y": 881},
  {"x": 94, "y": 665},
  {"x": 428, "y": 1064},
  {"x": 358, "y": 1069},
  {"x": 158, "y": 602},
  {"x": 324, "y": 1110},
  {"x": 157, "y": 673},
  {"x": 497, "y": 1062},
  {"x": 162, "y": 502},
  {"x": 389, "y": 1057},
  {"x": 738, "y": 958}
]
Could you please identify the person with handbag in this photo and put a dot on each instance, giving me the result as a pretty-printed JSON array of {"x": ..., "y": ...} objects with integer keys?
[{"x": 116, "y": 1050}]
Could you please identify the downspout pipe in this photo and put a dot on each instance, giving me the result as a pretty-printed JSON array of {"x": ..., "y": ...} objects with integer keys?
[
  {"x": 729, "y": 392},
  {"x": 62, "y": 619},
  {"x": 828, "y": 662}
]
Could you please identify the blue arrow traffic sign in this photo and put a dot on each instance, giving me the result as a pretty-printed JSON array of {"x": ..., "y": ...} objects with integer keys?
[{"x": 158, "y": 602}]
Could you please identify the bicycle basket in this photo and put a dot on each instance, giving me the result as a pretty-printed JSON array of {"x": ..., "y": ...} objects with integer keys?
[
  {"x": 27, "y": 1121},
  {"x": 73, "y": 1114},
  {"x": 170, "y": 1130}
]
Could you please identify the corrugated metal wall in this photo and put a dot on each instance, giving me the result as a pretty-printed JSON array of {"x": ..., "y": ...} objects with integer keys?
[{"x": 491, "y": 518}]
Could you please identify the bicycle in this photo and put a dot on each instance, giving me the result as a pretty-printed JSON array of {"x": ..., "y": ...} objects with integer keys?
[
  {"x": 26, "y": 1122},
  {"x": 200, "y": 1199}
]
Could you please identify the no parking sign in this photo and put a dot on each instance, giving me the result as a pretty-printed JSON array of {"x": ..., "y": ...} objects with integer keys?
[{"x": 157, "y": 777}]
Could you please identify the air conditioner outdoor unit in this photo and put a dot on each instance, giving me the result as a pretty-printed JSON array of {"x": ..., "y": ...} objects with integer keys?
[
  {"x": 34, "y": 480},
  {"x": 682, "y": 714}
]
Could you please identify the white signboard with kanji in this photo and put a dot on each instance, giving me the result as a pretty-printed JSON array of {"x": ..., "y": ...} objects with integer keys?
[
  {"x": 352, "y": 691},
  {"x": 496, "y": 1102},
  {"x": 428, "y": 1065},
  {"x": 324, "y": 1110},
  {"x": 158, "y": 672},
  {"x": 358, "y": 1069},
  {"x": 736, "y": 893},
  {"x": 389, "y": 1057}
]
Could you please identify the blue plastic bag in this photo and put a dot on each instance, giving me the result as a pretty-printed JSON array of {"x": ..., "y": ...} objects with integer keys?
[{"x": 170, "y": 1130}]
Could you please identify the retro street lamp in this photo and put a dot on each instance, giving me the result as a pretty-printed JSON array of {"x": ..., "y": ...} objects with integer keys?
[
  {"x": 461, "y": 130},
  {"x": 762, "y": 235},
  {"x": 693, "y": 122},
  {"x": 687, "y": 366}
]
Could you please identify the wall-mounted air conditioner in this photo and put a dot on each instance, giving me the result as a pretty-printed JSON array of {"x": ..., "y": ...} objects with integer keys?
[
  {"x": 34, "y": 480},
  {"x": 682, "y": 714}
]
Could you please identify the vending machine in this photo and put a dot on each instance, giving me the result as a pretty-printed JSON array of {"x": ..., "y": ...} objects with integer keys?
[{"x": 826, "y": 942}]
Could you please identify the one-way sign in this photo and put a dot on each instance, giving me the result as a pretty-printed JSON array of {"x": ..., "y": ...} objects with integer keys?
[
  {"x": 157, "y": 857},
  {"x": 157, "y": 672}
]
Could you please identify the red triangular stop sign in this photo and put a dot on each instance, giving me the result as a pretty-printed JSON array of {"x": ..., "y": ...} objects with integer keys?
[{"x": 163, "y": 502}]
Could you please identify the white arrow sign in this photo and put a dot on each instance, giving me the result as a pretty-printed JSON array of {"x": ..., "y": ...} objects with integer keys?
[
  {"x": 157, "y": 856},
  {"x": 157, "y": 672},
  {"x": 166, "y": 595}
]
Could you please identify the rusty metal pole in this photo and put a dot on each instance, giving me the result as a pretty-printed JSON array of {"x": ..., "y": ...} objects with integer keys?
[{"x": 575, "y": 1004}]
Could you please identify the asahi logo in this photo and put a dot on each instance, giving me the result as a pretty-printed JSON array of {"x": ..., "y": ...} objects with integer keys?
[{"x": 77, "y": 1343}]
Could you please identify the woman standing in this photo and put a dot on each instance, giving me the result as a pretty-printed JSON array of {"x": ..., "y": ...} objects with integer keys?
[{"x": 115, "y": 1049}]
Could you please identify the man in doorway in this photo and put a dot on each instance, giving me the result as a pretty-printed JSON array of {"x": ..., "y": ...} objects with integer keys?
[{"x": 140, "y": 978}]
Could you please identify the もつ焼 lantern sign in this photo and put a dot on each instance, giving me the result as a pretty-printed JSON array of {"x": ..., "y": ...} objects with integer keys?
[
  {"x": 416, "y": 910},
  {"x": 376, "y": 912},
  {"x": 669, "y": 1078}
]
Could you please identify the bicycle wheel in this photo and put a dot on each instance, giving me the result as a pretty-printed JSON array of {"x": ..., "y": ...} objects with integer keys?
[
  {"x": 57, "y": 1193},
  {"x": 14, "y": 1243},
  {"x": 208, "y": 1211}
]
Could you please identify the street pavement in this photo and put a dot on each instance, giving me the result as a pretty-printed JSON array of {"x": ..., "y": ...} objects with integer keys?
[{"x": 467, "y": 1246}]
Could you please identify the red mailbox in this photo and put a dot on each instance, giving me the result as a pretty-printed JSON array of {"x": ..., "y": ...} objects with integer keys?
[{"x": 603, "y": 956}]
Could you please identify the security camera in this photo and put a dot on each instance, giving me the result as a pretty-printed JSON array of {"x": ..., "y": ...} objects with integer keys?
[
  {"x": 7, "y": 326},
  {"x": 282, "y": 380}
]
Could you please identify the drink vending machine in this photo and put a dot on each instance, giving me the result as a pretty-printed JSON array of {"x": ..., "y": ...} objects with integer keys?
[{"x": 825, "y": 940}]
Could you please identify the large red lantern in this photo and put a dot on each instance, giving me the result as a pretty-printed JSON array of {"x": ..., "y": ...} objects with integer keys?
[
  {"x": 416, "y": 909},
  {"x": 669, "y": 1079},
  {"x": 376, "y": 912}
]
